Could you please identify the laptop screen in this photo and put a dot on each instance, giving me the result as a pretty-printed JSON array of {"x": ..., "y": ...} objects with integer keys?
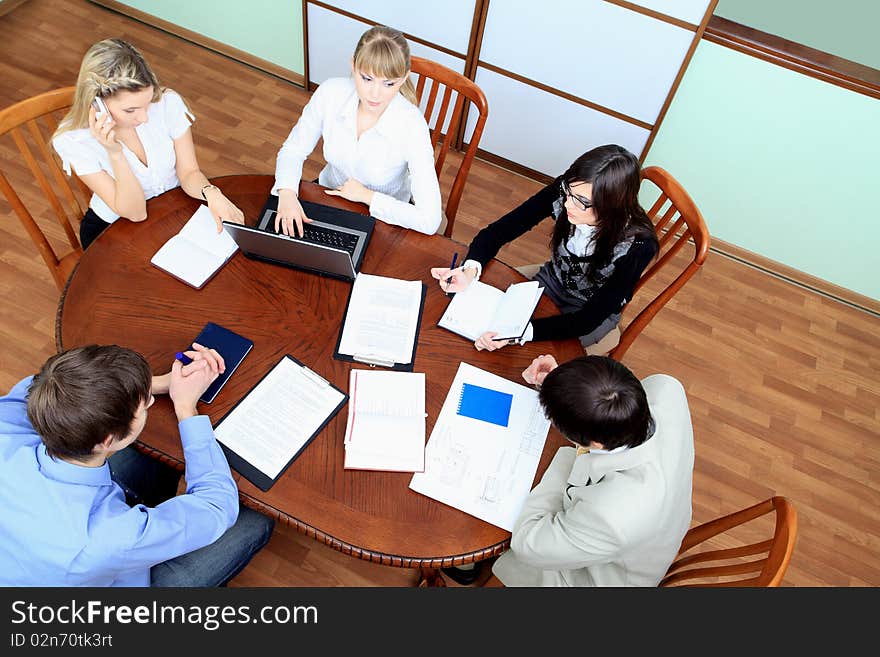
[{"x": 283, "y": 250}]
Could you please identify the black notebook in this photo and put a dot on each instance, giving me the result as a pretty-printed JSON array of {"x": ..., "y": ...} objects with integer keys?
[{"x": 231, "y": 346}]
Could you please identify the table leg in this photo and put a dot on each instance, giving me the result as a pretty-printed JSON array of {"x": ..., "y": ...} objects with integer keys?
[{"x": 430, "y": 577}]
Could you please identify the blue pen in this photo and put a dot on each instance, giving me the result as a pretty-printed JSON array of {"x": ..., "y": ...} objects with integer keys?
[
  {"x": 451, "y": 267},
  {"x": 183, "y": 358}
]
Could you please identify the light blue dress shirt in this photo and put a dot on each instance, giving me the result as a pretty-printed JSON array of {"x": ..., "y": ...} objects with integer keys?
[{"x": 68, "y": 525}]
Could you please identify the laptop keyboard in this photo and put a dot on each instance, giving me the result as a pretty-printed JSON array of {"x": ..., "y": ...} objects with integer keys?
[{"x": 329, "y": 237}]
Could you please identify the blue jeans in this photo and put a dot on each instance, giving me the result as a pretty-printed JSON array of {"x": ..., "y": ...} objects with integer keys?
[{"x": 150, "y": 482}]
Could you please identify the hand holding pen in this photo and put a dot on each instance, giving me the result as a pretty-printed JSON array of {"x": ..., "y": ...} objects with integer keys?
[
  {"x": 200, "y": 357},
  {"x": 451, "y": 279}
]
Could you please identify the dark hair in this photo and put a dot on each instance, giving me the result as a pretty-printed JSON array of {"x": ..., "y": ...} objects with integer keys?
[
  {"x": 614, "y": 173},
  {"x": 81, "y": 396},
  {"x": 595, "y": 398}
]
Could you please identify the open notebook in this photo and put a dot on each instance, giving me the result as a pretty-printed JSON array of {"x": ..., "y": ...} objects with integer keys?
[
  {"x": 481, "y": 308},
  {"x": 197, "y": 252}
]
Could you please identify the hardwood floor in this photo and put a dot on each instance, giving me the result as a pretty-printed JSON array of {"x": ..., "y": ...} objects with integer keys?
[{"x": 783, "y": 384}]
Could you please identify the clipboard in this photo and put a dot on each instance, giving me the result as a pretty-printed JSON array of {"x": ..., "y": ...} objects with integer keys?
[
  {"x": 250, "y": 472},
  {"x": 373, "y": 362}
]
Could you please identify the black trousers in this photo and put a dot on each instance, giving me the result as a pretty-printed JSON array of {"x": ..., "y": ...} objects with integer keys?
[{"x": 92, "y": 225}]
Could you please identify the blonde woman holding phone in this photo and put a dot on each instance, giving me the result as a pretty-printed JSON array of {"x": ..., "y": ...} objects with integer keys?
[{"x": 129, "y": 139}]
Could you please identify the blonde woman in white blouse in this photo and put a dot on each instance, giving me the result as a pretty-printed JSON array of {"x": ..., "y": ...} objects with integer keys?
[
  {"x": 376, "y": 141},
  {"x": 139, "y": 149}
]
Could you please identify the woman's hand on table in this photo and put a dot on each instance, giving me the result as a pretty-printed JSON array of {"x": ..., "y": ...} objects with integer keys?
[
  {"x": 223, "y": 209},
  {"x": 486, "y": 342},
  {"x": 352, "y": 190}
]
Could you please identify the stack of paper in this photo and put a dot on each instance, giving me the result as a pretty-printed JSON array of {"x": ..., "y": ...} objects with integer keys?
[
  {"x": 197, "y": 251},
  {"x": 386, "y": 421},
  {"x": 382, "y": 320}
]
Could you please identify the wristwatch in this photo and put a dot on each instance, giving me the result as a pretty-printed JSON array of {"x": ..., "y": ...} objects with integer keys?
[{"x": 208, "y": 186}]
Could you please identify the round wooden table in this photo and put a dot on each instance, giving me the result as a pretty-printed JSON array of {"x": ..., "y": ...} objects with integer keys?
[{"x": 116, "y": 296}]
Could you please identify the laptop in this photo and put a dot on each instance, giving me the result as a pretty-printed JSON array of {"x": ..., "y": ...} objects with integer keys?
[{"x": 334, "y": 243}]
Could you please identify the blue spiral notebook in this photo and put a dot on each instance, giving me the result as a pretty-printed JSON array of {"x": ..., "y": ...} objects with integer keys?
[{"x": 485, "y": 404}]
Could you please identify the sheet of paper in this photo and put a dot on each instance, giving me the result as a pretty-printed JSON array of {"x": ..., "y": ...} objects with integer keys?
[
  {"x": 382, "y": 318},
  {"x": 197, "y": 251},
  {"x": 271, "y": 424},
  {"x": 471, "y": 310},
  {"x": 513, "y": 312},
  {"x": 483, "y": 469},
  {"x": 386, "y": 421}
]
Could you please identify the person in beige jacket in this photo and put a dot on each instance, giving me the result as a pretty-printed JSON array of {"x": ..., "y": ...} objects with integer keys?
[{"x": 612, "y": 510}]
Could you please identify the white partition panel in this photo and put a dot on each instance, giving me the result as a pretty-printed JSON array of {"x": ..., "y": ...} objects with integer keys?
[
  {"x": 612, "y": 56},
  {"x": 333, "y": 37},
  {"x": 691, "y": 11},
  {"x": 543, "y": 131},
  {"x": 444, "y": 22}
]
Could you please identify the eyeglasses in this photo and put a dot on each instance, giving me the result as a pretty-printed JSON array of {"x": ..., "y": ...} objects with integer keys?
[{"x": 580, "y": 202}]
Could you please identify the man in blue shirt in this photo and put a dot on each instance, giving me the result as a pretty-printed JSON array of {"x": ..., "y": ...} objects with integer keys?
[{"x": 66, "y": 466}]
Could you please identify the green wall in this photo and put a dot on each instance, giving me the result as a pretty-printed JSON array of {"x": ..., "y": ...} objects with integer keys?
[
  {"x": 269, "y": 29},
  {"x": 846, "y": 28},
  {"x": 779, "y": 163}
]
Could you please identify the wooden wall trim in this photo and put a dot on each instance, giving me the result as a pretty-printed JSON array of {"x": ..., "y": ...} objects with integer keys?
[
  {"x": 656, "y": 14},
  {"x": 796, "y": 277},
  {"x": 564, "y": 94},
  {"x": 794, "y": 56},
  {"x": 202, "y": 40},
  {"x": 698, "y": 34},
  {"x": 370, "y": 22},
  {"x": 8, "y": 5}
]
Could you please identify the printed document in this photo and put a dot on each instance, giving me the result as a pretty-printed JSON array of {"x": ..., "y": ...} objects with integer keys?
[
  {"x": 278, "y": 417},
  {"x": 386, "y": 421},
  {"x": 482, "y": 468},
  {"x": 197, "y": 251},
  {"x": 481, "y": 308},
  {"x": 382, "y": 319}
]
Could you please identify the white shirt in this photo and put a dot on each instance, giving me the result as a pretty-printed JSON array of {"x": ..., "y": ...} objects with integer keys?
[
  {"x": 394, "y": 158},
  {"x": 167, "y": 119}
]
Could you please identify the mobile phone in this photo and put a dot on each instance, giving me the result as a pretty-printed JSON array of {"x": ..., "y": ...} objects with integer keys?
[{"x": 101, "y": 107}]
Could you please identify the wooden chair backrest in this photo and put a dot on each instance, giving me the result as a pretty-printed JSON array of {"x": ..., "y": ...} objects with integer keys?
[
  {"x": 677, "y": 221},
  {"x": 762, "y": 563},
  {"x": 444, "y": 120},
  {"x": 30, "y": 123}
]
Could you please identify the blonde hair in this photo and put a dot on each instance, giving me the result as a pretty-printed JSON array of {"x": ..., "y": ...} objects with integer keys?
[
  {"x": 383, "y": 51},
  {"x": 109, "y": 66}
]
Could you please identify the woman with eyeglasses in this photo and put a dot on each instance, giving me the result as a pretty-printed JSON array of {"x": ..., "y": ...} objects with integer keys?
[{"x": 602, "y": 242}]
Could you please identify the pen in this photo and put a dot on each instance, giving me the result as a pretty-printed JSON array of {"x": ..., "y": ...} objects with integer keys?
[
  {"x": 451, "y": 267},
  {"x": 183, "y": 358}
]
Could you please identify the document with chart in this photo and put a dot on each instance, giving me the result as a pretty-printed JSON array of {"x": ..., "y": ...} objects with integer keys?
[{"x": 484, "y": 450}]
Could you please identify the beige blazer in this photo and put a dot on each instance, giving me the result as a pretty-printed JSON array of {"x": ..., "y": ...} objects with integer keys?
[{"x": 609, "y": 519}]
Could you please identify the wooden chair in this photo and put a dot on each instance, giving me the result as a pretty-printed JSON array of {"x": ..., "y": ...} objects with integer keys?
[
  {"x": 31, "y": 123},
  {"x": 433, "y": 78},
  {"x": 766, "y": 570},
  {"x": 677, "y": 221}
]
